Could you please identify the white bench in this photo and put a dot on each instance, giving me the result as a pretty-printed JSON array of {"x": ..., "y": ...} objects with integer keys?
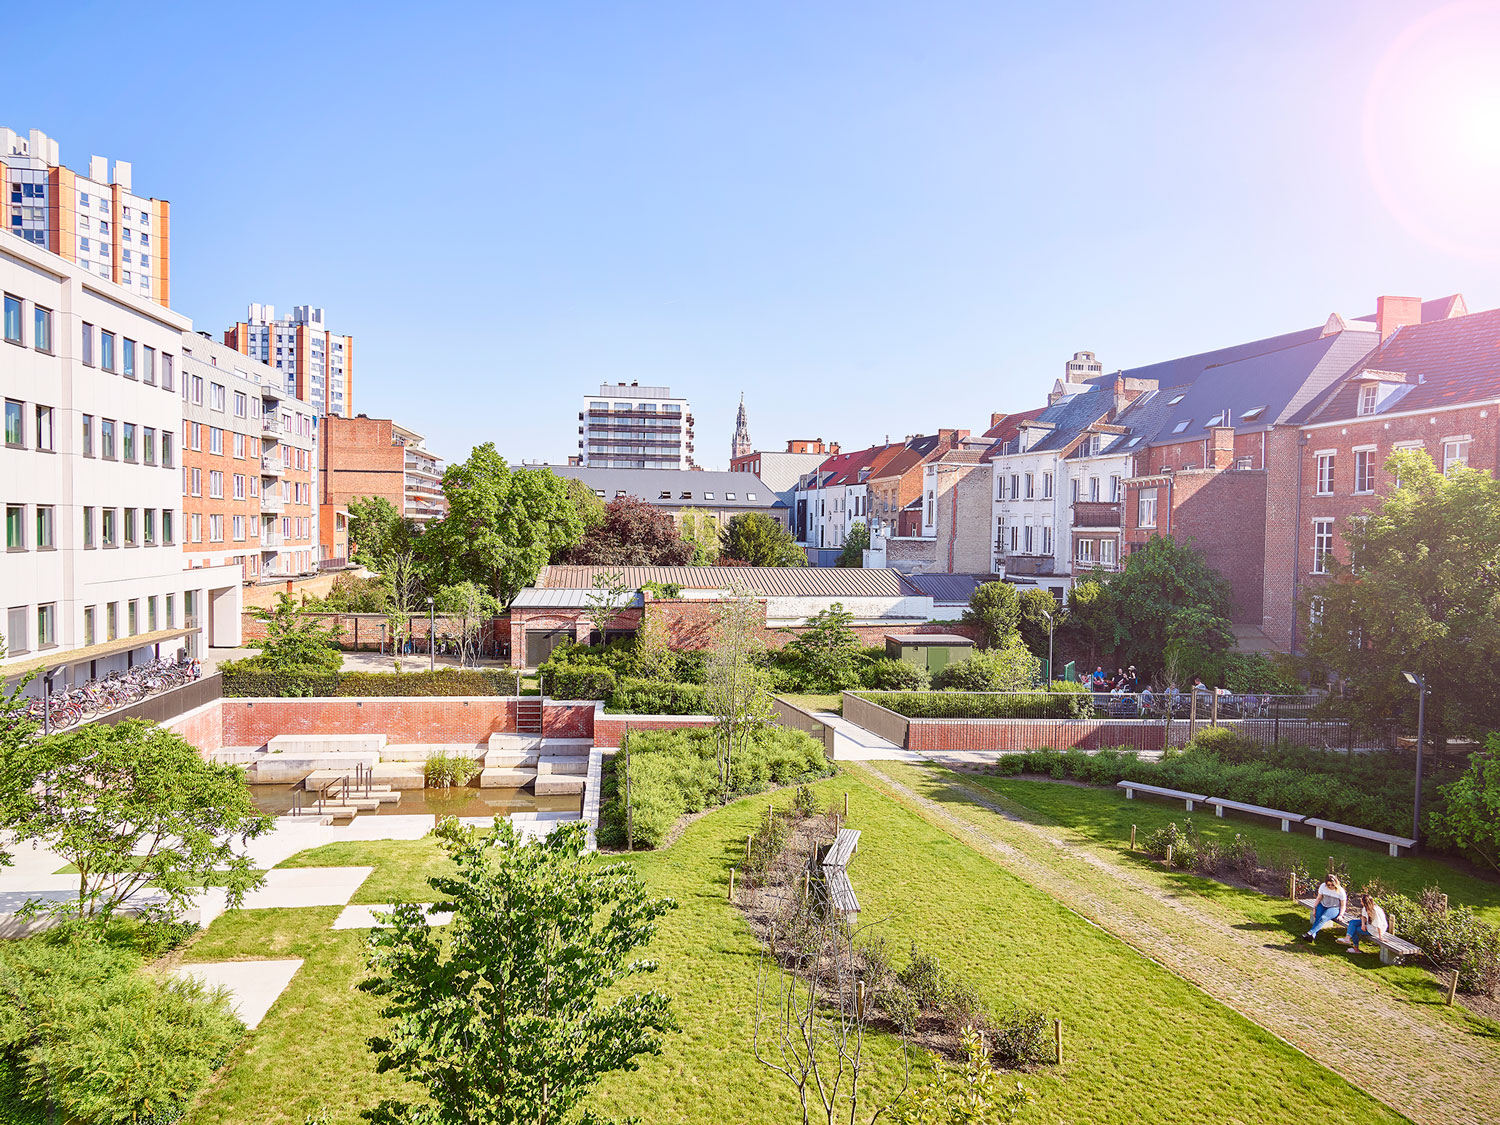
[
  {"x": 1286, "y": 818},
  {"x": 1392, "y": 948},
  {"x": 1394, "y": 843},
  {"x": 1131, "y": 787}
]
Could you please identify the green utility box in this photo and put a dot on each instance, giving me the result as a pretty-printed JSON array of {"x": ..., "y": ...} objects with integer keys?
[{"x": 933, "y": 651}]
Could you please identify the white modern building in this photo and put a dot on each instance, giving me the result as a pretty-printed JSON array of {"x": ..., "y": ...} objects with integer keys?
[
  {"x": 92, "y": 577},
  {"x": 628, "y": 426},
  {"x": 95, "y": 221},
  {"x": 314, "y": 364}
]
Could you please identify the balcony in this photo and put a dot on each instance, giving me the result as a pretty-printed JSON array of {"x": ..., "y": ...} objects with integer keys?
[
  {"x": 1096, "y": 513},
  {"x": 271, "y": 501},
  {"x": 268, "y": 393},
  {"x": 271, "y": 467},
  {"x": 270, "y": 427},
  {"x": 270, "y": 538}
]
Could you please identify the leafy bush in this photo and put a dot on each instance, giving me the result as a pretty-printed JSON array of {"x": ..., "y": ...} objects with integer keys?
[
  {"x": 86, "y": 1036},
  {"x": 1450, "y": 938},
  {"x": 662, "y": 589},
  {"x": 1009, "y": 705},
  {"x": 247, "y": 678},
  {"x": 673, "y": 772},
  {"x": 658, "y": 697},
  {"x": 578, "y": 681},
  {"x": 691, "y": 667},
  {"x": 886, "y": 674},
  {"x": 1255, "y": 672},
  {"x": 444, "y": 770},
  {"x": 1018, "y": 1036},
  {"x": 1007, "y": 667}
]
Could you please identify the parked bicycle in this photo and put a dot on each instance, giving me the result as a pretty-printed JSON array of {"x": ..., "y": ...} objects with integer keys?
[{"x": 67, "y": 707}]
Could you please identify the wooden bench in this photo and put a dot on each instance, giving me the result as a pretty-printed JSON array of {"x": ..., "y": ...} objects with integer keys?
[
  {"x": 842, "y": 850},
  {"x": 1286, "y": 818},
  {"x": 835, "y": 873},
  {"x": 1394, "y": 843},
  {"x": 1131, "y": 787},
  {"x": 1392, "y": 948}
]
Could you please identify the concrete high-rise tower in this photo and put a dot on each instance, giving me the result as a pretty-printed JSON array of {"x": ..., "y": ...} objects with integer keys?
[{"x": 741, "y": 444}]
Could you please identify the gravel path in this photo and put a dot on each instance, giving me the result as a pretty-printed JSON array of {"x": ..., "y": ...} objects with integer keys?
[{"x": 1421, "y": 1065}]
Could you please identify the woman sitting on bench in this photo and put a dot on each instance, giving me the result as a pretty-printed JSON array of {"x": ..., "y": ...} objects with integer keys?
[
  {"x": 1371, "y": 923},
  {"x": 1330, "y": 904}
]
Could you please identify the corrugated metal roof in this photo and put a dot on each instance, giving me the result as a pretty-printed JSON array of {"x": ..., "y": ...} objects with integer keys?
[
  {"x": 950, "y": 589},
  {"x": 769, "y": 581},
  {"x": 564, "y": 597}
]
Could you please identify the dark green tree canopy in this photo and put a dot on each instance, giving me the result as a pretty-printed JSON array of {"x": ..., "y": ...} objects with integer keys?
[
  {"x": 376, "y": 527},
  {"x": 755, "y": 539},
  {"x": 634, "y": 533},
  {"x": 853, "y": 554},
  {"x": 995, "y": 610},
  {"x": 1168, "y": 593}
]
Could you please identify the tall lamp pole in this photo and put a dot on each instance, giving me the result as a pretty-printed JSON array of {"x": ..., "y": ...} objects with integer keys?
[
  {"x": 1420, "y": 684},
  {"x": 1051, "y": 671},
  {"x": 431, "y": 637}
]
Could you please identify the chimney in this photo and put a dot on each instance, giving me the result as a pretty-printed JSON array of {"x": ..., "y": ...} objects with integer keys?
[
  {"x": 1220, "y": 447},
  {"x": 1392, "y": 313},
  {"x": 945, "y": 437},
  {"x": 996, "y": 419}
]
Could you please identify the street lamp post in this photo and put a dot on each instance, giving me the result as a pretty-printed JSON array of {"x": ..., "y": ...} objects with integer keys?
[
  {"x": 1420, "y": 684},
  {"x": 1051, "y": 671},
  {"x": 431, "y": 637}
]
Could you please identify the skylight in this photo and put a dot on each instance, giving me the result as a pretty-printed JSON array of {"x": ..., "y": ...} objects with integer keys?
[
  {"x": 1175, "y": 399},
  {"x": 1184, "y": 424},
  {"x": 1252, "y": 414},
  {"x": 1216, "y": 420},
  {"x": 1132, "y": 443}
]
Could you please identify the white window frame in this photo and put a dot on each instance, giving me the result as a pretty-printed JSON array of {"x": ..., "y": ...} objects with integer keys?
[
  {"x": 1322, "y": 551},
  {"x": 1331, "y": 457}
]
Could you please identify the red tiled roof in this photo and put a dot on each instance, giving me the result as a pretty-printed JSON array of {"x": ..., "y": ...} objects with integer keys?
[{"x": 1008, "y": 430}]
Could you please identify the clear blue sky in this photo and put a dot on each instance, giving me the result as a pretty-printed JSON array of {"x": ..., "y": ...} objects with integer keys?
[{"x": 874, "y": 218}]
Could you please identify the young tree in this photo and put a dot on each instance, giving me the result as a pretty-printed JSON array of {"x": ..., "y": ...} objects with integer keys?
[
  {"x": 1034, "y": 606},
  {"x": 515, "y": 1012},
  {"x": 605, "y": 601},
  {"x": 755, "y": 539},
  {"x": 17, "y": 730},
  {"x": 1147, "y": 599},
  {"x": 376, "y": 526},
  {"x": 1090, "y": 619},
  {"x": 967, "y": 1095},
  {"x": 130, "y": 805},
  {"x": 737, "y": 687},
  {"x": 1420, "y": 596},
  {"x": 588, "y": 507},
  {"x": 634, "y": 533},
  {"x": 653, "y": 650},
  {"x": 995, "y": 610},
  {"x": 295, "y": 639},
  {"x": 1468, "y": 817},
  {"x": 467, "y": 608},
  {"x": 701, "y": 529},
  {"x": 853, "y": 554},
  {"x": 401, "y": 598},
  {"x": 828, "y": 649}
]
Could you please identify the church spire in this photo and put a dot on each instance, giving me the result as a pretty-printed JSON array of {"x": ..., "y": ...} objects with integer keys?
[{"x": 741, "y": 444}]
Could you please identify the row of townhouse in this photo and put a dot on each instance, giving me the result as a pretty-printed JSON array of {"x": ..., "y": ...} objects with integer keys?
[{"x": 1255, "y": 453}]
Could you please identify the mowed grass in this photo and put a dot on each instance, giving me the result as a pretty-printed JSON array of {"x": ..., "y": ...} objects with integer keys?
[
  {"x": 1102, "y": 818},
  {"x": 831, "y": 701},
  {"x": 1141, "y": 1044}
]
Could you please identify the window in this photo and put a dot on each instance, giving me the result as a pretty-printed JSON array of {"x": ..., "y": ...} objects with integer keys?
[
  {"x": 127, "y": 354},
  {"x": 749, "y": 496},
  {"x": 1015, "y": 486},
  {"x": 1028, "y": 539},
  {"x": 148, "y": 445},
  {"x": 1086, "y": 550},
  {"x": 1107, "y": 552},
  {"x": 197, "y": 482},
  {"x": 239, "y": 486},
  {"x": 1322, "y": 545},
  {"x": 196, "y": 527},
  {"x": 127, "y": 442},
  {"x": 41, "y": 328},
  {"x": 15, "y": 424},
  {"x": 1175, "y": 399},
  {"x": 239, "y": 446},
  {"x": 1094, "y": 489},
  {"x": 171, "y": 607},
  {"x": 1325, "y": 474},
  {"x": 88, "y": 526},
  {"x": 112, "y": 621},
  {"x": 1077, "y": 485},
  {"x": 197, "y": 382},
  {"x": 168, "y": 450},
  {"x": 44, "y": 540},
  {"x": 130, "y": 539},
  {"x": 108, "y": 528},
  {"x": 1364, "y": 470},
  {"x": 241, "y": 404},
  {"x": 44, "y": 428},
  {"x": 730, "y": 496},
  {"x": 133, "y": 614},
  {"x": 708, "y": 496},
  {"x": 216, "y": 440},
  {"x": 15, "y": 629},
  {"x": 1252, "y": 414},
  {"x": 216, "y": 529},
  {"x": 1000, "y": 491},
  {"x": 88, "y": 435},
  {"x": 1047, "y": 537},
  {"x": 1184, "y": 424},
  {"x": 195, "y": 431},
  {"x": 1368, "y": 397},
  {"x": 107, "y": 350},
  {"x": 1146, "y": 508},
  {"x": 166, "y": 372},
  {"x": 148, "y": 366},
  {"x": 216, "y": 397},
  {"x": 151, "y": 614},
  {"x": 88, "y": 625},
  {"x": 239, "y": 529},
  {"x": 1030, "y": 485},
  {"x": 166, "y": 538},
  {"x": 1046, "y": 486},
  {"x": 12, "y": 319},
  {"x": 148, "y": 526},
  {"x": 107, "y": 439},
  {"x": 216, "y": 484},
  {"x": 88, "y": 344},
  {"x": 1455, "y": 452},
  {"x": 1114, "y": 488},
  {"x": 15, "y": 527}
]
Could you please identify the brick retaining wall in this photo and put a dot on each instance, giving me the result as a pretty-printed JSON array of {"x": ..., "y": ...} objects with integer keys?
[
  {"x": 609, "y": 728},
  {"x": 1034, "y": 734}
]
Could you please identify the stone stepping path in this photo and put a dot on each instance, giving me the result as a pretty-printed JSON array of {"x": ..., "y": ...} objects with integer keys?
[
  {"x": 362, "y": 917},
  {"x": 253, "y": 985},
  {"x": 307, "y": 886},
  {"x": 1421, "y": 1065}
]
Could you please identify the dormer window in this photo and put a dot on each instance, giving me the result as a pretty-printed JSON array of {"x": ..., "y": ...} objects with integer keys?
[
  {"x": 1369, "y": 398},
  {"x": 708, "y": 496},
  {"x": 686, "y": 496}
]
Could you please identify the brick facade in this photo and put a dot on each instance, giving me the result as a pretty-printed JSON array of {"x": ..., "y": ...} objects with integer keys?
[{"x": 1033, "y": 734}]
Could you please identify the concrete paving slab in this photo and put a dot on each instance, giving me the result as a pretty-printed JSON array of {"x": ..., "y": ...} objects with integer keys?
[
  {"x": 853, "y": 743},
  {"x": 253, "y": 985},
  {"x": 362, "y": 917},
  {"x": 307, "y": 886}
]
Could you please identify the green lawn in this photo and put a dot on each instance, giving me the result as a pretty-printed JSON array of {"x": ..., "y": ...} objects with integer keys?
[
  {"x": 831, "y": 701},
  {"x": 1142, "y": 1044},
  {"x": 402, "y": 867}
]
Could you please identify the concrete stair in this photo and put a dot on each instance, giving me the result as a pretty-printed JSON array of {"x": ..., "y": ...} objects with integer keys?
[{"x": 501, "y": 778}]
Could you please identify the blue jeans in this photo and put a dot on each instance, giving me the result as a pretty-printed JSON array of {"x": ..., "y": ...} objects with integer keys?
[
  {"x": 1322, "y": 917},
  {"x": 1358, "y": 933}
]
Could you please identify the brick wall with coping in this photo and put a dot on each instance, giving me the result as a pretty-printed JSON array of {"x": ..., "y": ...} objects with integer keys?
[{"x": 609, "y": 728}]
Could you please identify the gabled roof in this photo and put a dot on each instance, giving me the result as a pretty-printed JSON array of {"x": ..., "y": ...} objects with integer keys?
[
  {"x": 1186, "y": 369},
  {"x": 949, "y": 589},
  {"x": 673, "y": 488},
  {"x": 1445, "y": 362},
  {"x": 767, "y": 581},
  {"x": 1072, "y": 416},
  {"x": 1009, "y": 429}
]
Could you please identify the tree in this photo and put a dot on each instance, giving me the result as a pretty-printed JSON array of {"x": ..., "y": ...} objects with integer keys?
[
  {"x": 514, "y": 1012},
  {"x": 1468, "y": 817},
  {"x": 828, "y": 649},
  {"x": 376, "y": 527},
  {"x": 351, "y": 594},
  {"x": 736, "y": 685},
  {"x": 17, "y": 730},
  {"x": 589, "y": 508},
  {"x": 466, "y": 608},
  {"x": 295, "y": 639},
  {"x": 502, "y": 527},
  {"x": 1034, "y": 606},
  {"x": 701, "y": 529},
  {"x": 401, "y": 599},
  {"x": 605, "y": 601},
  {"x": 995, "y": 610},
  {"x": 653, "y": 652},
  {"x": 1421, "y": 595},
  {"x": 1090, "y": 618},
  {"x": 853, "y": 554},
  {"x": 130, "y": 805},
  {"x": 755, "y": 539},
  {"x": 1007, "y": 667},
  {"x": 634, "y": 533},
  {"x": 1147, "y": 598}
]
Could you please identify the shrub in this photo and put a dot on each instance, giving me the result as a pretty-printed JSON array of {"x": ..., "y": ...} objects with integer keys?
[
  {"x": 1009, "y": 705},
  {"x": 444, "y": 770},
  {"x": 1018, "y": 1036},
  {"x": 578, "y": 681},
  {"x": 691, "y": 667},
  {"x": 247, "y": 678},
  {"x": 1450, "y": 938},
  {"x": 886, "y": 674},
  {"x": 658, "y": 697},
  {"x": 1009, "y": 667},
  {"x": 804, "y": 802}
]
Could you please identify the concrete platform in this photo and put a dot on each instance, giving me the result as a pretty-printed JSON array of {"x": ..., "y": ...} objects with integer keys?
[
  {"x": 421, "y": 751},
  {"x": 312, "y": 745},
  {"x": 556, "y": 785},
  {"x": 571, "y": 765},
  {"x": 506, "y": 778},
  {"x": 307, "y": 886},
  {"x": 253, "y": 985},
  {"x": 363, "y": 917}
]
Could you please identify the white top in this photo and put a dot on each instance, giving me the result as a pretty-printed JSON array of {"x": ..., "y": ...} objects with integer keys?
[
  {"x": 1333, "y": 896},
  {"x": 1377, "y": 923}
]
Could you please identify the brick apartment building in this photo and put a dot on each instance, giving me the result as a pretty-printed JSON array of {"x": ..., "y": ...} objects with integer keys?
[
  {"x": 247, "y": 466},
  {"x": 366, "y": 457}
]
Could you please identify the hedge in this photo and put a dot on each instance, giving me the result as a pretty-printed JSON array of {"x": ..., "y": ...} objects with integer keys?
[
  {"x": 578, "y": 681},
  {"x": 258, "y": 683},
  {"x": 657, "y": 697},
  {"x": 1065, "y": 703}
]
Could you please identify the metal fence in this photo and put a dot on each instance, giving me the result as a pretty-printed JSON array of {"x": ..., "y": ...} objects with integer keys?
[
  {"x": 792, "y": 716},
  {"x": 169, "y": 704}
]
